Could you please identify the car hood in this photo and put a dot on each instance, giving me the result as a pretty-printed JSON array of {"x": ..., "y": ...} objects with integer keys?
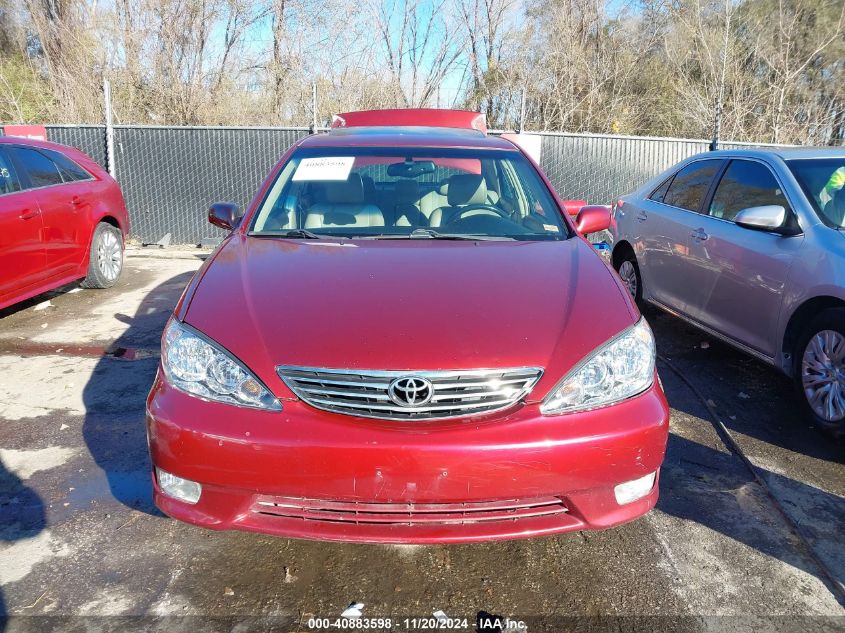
[{"x": 408, "y": 304}]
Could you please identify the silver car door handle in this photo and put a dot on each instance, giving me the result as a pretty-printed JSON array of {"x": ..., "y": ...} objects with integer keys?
[
  {"x": 700, "y": 235},
  {"x": 642, "y": 216}
]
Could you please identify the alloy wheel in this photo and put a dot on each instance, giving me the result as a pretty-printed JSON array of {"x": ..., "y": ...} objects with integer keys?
[
  {"x": 629, "y": 276},
  {"x": 823, "y": 375},
  {"x": 109, "y": 255}
]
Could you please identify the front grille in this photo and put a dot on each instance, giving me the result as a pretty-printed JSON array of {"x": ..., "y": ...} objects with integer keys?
[
  {"x": 379, "y": 394},
  {"x": 408, "y": 513}
]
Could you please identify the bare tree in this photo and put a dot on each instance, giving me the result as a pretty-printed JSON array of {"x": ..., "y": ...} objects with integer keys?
[{"x": 419, "y": 47}]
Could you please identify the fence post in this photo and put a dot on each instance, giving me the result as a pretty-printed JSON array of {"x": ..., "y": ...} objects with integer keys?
[
  {"x": 313, "y": 107},
  {"x": 109, "y": 129},
  {"x": 717, "y": 117},
  {"x": 522, "y": 112}
]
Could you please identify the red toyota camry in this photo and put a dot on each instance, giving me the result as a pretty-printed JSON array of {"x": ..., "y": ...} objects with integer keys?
[{"x": 406, "y": 339}]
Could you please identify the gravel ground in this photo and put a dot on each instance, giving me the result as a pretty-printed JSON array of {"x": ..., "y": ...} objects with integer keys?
[{"x": 747, "y": 534}]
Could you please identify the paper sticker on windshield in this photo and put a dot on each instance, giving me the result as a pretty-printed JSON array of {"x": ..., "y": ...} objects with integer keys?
[
  {"x": 551, "y": 227},
  {"x": 325, "y": 168}
]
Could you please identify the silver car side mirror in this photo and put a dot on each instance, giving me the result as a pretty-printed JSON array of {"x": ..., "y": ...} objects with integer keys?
[{"x": 770, "y": 217}]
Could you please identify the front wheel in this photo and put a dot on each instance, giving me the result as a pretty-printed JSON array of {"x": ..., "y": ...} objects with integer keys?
[
  {"x": 629, "y": 272},
  {"x": 106, "y": 258},
  {"x": 820, "y": 370}
]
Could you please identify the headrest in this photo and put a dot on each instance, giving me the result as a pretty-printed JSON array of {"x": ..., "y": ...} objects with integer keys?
[
  {"x": 467, "y": 189},
  {"x": 349, "y": 191},
  {"x": 407, "y": 190}
]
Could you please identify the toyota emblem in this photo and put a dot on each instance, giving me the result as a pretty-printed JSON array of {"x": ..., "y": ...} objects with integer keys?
[{"x": 410, "y": 391}]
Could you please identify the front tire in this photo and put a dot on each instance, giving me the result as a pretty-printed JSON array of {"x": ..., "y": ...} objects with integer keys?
[
  {"x": 105, "y": 262},
  {"x": 629, "y": 272},
  {"x": 819, "y": 370}
]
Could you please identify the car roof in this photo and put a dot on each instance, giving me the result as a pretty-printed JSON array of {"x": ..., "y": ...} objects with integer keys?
[
  {"x": 785, "y": 153},
  {"x": 406, "y": 136},
  {"x": 21, "y": 140}
]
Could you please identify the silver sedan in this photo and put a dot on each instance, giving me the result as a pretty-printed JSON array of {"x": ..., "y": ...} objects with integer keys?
[{"x": 749, "y": 246}]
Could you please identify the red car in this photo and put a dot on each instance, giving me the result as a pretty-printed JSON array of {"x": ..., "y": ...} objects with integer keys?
[
  {"x": 62, "y": 218},
  {"x": 405, "y": 339}
]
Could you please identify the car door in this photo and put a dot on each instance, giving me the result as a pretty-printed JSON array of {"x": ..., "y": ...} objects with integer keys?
[
  {"x": 664, "y": 223},
  {"x": 22, "y": 258},
  {"x": 740, "y": 273},
  {"x": 59, "y": 206}
]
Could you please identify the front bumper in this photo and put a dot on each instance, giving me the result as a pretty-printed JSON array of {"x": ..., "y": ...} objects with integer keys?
[{"x": 305, "y": 473}]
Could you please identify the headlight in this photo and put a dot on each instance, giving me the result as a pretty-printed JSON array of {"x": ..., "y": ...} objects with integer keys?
[
  {"x": 619, "y": 369},
  {"x": 195, "y": 364}
]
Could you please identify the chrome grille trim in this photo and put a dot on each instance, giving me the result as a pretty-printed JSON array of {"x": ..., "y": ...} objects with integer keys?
[
  {"x": 409, "y": 513},
  {"x": 364, "y": 393}
]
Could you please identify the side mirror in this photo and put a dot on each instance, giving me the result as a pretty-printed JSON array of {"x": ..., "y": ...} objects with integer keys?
[
  {"x": 592, "y": 219},
  {"x": 226, "y": 215},
  {"x": 770, "y": 217},
  {"x": 573, "y": 206}
]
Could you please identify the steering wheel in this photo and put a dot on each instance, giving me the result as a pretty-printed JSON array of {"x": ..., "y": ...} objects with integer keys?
[{"x": 486, "y": 209}]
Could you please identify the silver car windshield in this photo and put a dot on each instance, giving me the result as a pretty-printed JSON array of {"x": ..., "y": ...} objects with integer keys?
[
  {"x": 823, "y": 182},
  {"x": 411, "y": 193}
]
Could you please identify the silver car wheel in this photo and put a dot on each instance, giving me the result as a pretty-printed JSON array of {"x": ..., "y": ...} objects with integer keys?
[
  {"x": 109, "y": 255},
  {"x": 628, "y": 274},
  {"x": 823, "y": 375}
]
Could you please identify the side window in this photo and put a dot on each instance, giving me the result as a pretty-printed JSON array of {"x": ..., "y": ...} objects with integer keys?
[
  {"x": 660, "y": 192},
  {"x": 9, "y": 182},
  {"x": 745, "y": 184},
  {"x": 690, "y": 185},
  {"x": 70, "y": 171},
  {"x": 41, "y": 170}
]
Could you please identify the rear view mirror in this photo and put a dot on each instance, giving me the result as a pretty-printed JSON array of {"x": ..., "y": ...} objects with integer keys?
[
  {"x": 226, "y": 215},
  {"x": 592, "y": 219},
  {"x": 410, "y": 169},
  {"x": 770, "y": 217}
]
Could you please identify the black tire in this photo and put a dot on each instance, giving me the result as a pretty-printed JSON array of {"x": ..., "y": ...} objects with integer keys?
[
  {"x": 629, "y": 259},
  {"x": 106, "y": 257},
  {"x": 806, "y": 366}
]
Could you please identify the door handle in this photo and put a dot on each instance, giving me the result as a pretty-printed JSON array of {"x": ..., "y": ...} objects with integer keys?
[
  {"x": 699, "y": 235},
  {"x": 642, "y": 216},
  {"x": 27, "y": 214},
  {"x": 76, "y": 201}
]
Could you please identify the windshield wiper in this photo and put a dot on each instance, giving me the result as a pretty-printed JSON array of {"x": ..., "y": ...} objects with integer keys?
[
  {"x": 303, "y": 234},
  {"x": 431, "y": 234}
]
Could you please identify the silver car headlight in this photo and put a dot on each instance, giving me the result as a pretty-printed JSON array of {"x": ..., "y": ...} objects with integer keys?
[
  {"x": 194, "y": 363},
  {"x": 619, "y": 369}
]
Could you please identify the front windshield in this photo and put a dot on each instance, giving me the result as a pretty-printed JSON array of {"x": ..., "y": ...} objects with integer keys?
[
  {"x": 823, "y": 182},
  {"x": 392, "y": 193}
]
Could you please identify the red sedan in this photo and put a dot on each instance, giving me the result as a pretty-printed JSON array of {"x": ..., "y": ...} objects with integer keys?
[
  {"x": 406, "y": 339},
  {"x": 62, "y": 218}
]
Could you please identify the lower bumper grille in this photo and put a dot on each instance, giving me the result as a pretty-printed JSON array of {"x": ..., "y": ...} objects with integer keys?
[{"x": 409, "y": 513}]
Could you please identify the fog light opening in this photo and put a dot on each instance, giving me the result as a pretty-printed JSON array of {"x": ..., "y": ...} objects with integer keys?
[
  {"x": 630, "y": 491},
  {"x": 178, "y": 488}
]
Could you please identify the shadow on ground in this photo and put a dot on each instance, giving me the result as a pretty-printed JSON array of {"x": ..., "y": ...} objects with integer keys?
[
  {"x": 716, "y": 489},
  {"x": 22, "y": 516},
  {"x": 756, "y": 399},
  {"x": 115, "y": 398}
]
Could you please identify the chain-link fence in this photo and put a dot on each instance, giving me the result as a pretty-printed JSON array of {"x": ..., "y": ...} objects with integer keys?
[{"x": 169, "y": 175}]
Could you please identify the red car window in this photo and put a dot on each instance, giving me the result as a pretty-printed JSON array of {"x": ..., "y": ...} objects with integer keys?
[
  {"x": 37, "y": 168},
  {"x": 9, "y": 182},
  {"x": 69, "y": 170}
]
